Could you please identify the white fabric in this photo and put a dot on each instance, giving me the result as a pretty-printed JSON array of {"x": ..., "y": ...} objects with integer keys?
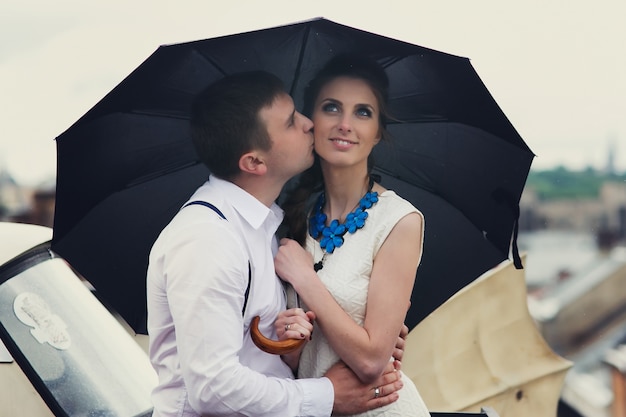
[
  {"x": 200, "y": 344},
  {"x": 346, "y": 274}
]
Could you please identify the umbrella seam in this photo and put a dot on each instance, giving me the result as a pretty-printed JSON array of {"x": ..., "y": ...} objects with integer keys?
[{"x": 300, "y": 59}]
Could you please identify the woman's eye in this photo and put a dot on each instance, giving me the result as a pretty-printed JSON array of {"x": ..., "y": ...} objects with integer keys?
[
  {"x": 330, "y": 108},
  {"x": 364, "y": 112}
]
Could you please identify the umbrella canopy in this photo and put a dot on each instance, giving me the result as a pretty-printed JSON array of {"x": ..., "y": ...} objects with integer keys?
[{"x": 128, "y": 164}]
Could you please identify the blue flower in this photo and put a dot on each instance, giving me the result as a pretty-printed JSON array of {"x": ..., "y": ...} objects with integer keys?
[
  {"x": 356, "y": 220},
  {"x": 333, "y": 236},
  {"x": 317, "y": 224},
  {"x": 369, "y": 200}
]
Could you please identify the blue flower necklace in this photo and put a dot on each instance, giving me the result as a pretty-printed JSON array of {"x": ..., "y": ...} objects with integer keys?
[{"x": 333, "y": 234}]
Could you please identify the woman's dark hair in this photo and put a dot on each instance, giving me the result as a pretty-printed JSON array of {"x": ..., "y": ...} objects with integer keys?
[
  {"x": 225, "y": 121},
  {"x": 311, "y": 181},
  {"x": 352, "y": 66}
]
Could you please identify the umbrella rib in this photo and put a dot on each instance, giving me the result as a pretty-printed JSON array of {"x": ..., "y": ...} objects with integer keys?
[
  {"x": 392, "y": 60},
  {"x": 211, "y": 61},
  {"x": 300, "y": 59},
  {"x": 397, "y": 176},
  {"x": 160, "y": 113},
  {"x": 165, "y": 171}
]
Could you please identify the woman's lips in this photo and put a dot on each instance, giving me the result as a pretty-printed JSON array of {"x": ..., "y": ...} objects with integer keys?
[{"x": 342, "y": 143}]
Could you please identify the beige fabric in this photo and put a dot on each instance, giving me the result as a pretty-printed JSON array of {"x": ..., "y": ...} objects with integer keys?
[{"x": 482, "y": 348}]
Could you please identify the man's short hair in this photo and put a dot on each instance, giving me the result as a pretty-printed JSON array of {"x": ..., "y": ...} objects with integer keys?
[{"x": 225, "y": 120}]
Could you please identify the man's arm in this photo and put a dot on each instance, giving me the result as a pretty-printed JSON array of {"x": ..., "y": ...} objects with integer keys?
[{"x": 353, "y": 397}]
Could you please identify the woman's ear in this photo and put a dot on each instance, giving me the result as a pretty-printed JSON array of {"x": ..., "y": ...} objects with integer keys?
[{"x": 252, "y": 163}]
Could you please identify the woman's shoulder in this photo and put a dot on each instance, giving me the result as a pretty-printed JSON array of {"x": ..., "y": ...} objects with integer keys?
[
  {"x": 392, "y": 212},
  {"x": 390, "y": 198}
]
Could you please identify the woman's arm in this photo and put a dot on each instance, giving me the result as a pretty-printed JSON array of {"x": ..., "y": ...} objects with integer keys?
[{"x": 366, "y": 350}]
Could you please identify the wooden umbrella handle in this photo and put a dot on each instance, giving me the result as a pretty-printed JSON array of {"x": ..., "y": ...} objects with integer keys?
[{"x": 275, "y": 347}]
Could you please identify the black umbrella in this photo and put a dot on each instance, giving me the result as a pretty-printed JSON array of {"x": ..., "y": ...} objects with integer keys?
[{"x": 128, "y": 164}]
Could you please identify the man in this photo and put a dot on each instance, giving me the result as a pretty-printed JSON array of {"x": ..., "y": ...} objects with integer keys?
[{"x": 211, "y": 270}]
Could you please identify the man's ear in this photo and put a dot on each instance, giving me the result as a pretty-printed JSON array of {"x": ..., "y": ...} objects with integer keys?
[{"x": 252, "y": 163}]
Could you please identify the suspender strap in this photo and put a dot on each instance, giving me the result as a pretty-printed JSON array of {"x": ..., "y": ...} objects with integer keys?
[
  {"x": 247, "y": 293},
  {"x": 218, "y": 211},
  {"x": 209, "y": 205}
]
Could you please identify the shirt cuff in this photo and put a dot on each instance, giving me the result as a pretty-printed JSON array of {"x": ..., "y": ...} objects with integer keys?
[{"x": 319, "y": 396}]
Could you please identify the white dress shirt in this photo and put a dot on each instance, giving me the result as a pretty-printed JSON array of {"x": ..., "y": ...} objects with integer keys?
[{"x": 200, "y": 344}]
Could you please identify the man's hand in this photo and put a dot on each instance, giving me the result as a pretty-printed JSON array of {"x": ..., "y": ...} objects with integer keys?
[{"x": 354, "y": 397}]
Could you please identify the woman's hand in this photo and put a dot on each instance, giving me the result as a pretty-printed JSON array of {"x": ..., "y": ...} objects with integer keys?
[
  {"x": 295, "y": 324},
  {"x": 292, "y": 262}
]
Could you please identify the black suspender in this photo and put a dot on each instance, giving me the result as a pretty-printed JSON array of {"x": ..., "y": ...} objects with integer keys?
[
  {"x": 247, "y": 293},
  {"x": 206, "y": 204},
  {"x": 215, "y": 209}
]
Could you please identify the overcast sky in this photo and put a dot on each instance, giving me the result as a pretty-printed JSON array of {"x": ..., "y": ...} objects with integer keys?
[{"x": 556, "y": 68}]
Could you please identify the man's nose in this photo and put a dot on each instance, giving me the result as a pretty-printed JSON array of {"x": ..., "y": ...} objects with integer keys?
[{"x": 308, "y": 124}]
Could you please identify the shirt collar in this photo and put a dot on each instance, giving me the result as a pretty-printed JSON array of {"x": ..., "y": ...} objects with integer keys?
[{"x": 249, "y": 208}]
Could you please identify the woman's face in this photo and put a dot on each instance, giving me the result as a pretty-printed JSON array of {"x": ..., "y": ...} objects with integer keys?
[{"x": 346, "y": 122}]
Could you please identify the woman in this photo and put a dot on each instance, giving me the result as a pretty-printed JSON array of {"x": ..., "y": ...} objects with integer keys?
[{"x": 358, "y": 270}]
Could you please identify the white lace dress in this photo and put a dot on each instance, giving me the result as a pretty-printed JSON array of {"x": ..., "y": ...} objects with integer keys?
[{"x": 346, "y": 274}]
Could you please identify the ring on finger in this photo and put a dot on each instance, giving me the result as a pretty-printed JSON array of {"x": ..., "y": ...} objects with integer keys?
[
  {"x": 287, "y": 327},
  {"x": 376, "y": 392}
]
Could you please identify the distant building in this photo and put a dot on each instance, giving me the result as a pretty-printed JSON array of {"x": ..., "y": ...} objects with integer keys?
[
  {"x": 41, "y": 209},
  {"x": 583, "y": 317},
  {"x": 26, "y": 204},
  {"x": 613, "y": 197},
  {"x": 12, "y": 197},
  {"x": 605, "y": 216},
  {"x": 610, "y": 158}
]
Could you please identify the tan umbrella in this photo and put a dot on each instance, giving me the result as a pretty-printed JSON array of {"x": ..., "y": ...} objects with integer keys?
[{"x": 482, "y": 348}]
